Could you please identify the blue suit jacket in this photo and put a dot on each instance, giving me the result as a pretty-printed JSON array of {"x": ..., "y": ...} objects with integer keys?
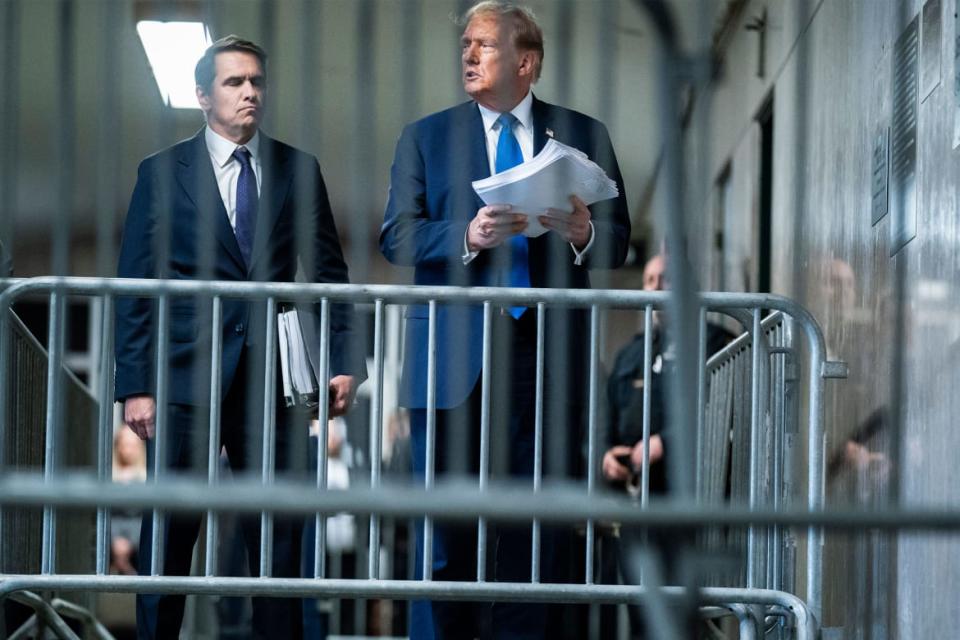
[
  {"x": 177, "y": 227},
  {"x": 430, "y": 205}
]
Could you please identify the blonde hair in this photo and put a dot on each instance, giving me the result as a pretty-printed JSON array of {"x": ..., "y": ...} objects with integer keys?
[{"x": 526, "y": 33}]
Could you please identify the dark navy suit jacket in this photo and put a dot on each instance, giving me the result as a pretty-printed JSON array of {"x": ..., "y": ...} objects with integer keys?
[
  {"x": 430, "y": 205},
  {"x": 177, "y": 227}
]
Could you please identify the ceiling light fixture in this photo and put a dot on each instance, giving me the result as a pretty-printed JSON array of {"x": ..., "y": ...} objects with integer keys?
[{"x": 173, "y": 49}]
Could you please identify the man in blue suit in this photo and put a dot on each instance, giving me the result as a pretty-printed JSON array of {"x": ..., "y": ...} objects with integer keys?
[
  {"x": 435, "y": 222},
  {"x": 229, "y": 203}
]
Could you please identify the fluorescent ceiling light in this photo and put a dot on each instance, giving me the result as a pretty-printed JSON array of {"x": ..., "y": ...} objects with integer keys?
[{"x": 173, "y": 49}]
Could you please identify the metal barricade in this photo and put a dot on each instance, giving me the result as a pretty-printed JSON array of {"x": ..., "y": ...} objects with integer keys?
[{"x": 533, "y": 504}]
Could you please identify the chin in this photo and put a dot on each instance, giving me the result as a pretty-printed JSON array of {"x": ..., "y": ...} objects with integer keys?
[{"x": 474, "y": 92}]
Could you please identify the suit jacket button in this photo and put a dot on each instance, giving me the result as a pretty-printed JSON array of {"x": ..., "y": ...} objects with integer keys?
[{"x": 238, "y": 329}]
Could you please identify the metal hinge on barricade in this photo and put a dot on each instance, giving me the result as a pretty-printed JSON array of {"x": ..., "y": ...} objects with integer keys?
[{"x": 834, "y": 369}]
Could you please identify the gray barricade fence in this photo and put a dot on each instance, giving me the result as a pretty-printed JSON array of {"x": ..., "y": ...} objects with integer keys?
[{"x": 747, "y": 398}]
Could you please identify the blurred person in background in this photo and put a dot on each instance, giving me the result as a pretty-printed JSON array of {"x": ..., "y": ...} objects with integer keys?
[
  {"x": 129, "y": 466},
  {"x": 623, "y": 458},
  {"x": 341, "y": 529},
  {"x": 622, "y": 463}
]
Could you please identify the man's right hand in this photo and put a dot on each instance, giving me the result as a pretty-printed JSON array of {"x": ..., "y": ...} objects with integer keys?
[
  {"x": 492, "y": 225},
  {"x": 612, "y": 469},
  {"x": 140, "y": 414}
]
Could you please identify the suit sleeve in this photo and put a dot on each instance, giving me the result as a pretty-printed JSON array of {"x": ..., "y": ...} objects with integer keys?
[
  {"x": 346, "y": 358},
  {"x": 134, "y": 348},
  {"x": 611, "y": 218},
  {"x": 412, "y": 235}
]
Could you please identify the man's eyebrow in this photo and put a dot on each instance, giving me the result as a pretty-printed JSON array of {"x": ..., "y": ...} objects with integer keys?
[{"x": 254, "y": 76}]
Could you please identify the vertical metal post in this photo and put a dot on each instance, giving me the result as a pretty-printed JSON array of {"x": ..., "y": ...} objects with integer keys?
[
  {"x": 5, "y": 410},
  {"x": 213, "y": 448},
  {"x": 269, "y": 435},
  {"x": 66, "y": 128},
  {"x": 538, "y": 442},
  {"x": 376, "y": 436},
  {"x": 647, "y": 373},
  {"x": 105, "y": 430},
  {"x": 592, "y": 431},
  {"x": 51, "y": 460},
  {"x": 701, "y": 396},
  {"x": 362, "y": 150},
  {"x": 816, "y": 478},
  {"x": 780, "y": 453},
  {"x": 672, "y": 215},
  {"x": 320, "y": 538},
  {"x": 431, "y": 436},
  {"x": 756, "y": 417},
  {"x": 484, "y": 471},
  {"x": 10, "y": 68},
  {"x": 108, "y": 139},
  {"x": 157, "y": 555}
]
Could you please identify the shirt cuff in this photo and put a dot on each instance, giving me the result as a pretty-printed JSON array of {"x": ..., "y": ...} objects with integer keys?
[
  {"x": 580, "y": 255},
  {"x": 468, "y": 255}
]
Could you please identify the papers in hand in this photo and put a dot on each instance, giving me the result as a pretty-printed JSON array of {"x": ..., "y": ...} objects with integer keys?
[
  {"x": 299, "y": 381},
  {"x": 547, "y": 181}
]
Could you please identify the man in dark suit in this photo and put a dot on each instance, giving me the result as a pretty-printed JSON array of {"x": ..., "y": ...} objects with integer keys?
[
  {"x": 435, "y": 222},
  {"x": 227, "y": 204}
]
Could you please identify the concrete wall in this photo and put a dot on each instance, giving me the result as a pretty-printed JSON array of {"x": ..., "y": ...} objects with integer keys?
[{"x": 893, "y": 319}]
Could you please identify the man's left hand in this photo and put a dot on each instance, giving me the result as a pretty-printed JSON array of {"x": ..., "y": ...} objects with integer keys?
[
  {"x": 573, "y": 227},
  {"x": 342, "y": 390}
]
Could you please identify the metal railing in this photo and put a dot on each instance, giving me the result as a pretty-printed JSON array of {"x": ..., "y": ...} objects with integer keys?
[
  {"x": 747, "y": 437},
  {"x": 534, "y": 503}
]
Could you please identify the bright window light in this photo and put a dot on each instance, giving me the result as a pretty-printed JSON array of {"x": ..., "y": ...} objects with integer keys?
[{"x": 173, "y": 49}]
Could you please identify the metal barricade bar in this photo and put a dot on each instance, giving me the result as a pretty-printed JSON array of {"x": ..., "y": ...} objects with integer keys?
[
  {"x": 384, "y": 295},
  {"x": 320, "y": 539}
]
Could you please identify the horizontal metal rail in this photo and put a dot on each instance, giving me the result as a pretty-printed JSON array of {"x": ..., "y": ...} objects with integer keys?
[
  {"x": 407, "y": 589},
  {"x": 513, "y": 504},
  {"x": 451, "y": 501}
]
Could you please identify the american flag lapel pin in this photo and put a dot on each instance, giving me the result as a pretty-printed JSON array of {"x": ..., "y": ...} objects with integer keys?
[{"x": 549, "y": 132}]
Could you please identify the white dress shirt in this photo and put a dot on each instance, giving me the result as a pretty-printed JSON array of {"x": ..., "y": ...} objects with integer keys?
[
  {"x": 523, "y": 131},
  {"x": 226, "y": 168}
]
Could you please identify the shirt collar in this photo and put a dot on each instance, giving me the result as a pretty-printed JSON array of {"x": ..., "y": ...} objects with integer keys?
[
  {"x": 222, "y": 149},
  {"x": 523, "y": 113}
]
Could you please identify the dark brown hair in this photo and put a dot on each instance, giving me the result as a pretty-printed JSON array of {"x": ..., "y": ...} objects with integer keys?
[{"x": 206, "y": 69}]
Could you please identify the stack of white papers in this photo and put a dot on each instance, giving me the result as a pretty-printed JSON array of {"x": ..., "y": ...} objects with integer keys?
[
  {"x": 547, "y": 181},
  {"x": 298, "y": 379}
]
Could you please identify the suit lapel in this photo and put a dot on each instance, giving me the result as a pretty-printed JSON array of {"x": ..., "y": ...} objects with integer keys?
[
  {"x": 479, "y": 163},
  {"x": 195, "y": 175},
  {"x": 274, "y": 185},
  {"x": 541, "y": 125}
]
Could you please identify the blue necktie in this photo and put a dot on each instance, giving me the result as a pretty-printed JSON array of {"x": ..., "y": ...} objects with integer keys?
[
  {"x": 247, "y": 200},
  {"x": 509, "y": 156}
]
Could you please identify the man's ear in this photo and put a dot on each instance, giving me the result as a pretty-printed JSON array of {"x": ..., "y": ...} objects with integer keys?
[
  {"x": 203, "y": 99},
  {"x": 528, "y": 64}
]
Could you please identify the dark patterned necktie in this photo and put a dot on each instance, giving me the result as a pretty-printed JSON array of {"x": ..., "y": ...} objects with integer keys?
[
  {"x": 509, "y": 156},
  {"x": 247, "y": 201}
]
